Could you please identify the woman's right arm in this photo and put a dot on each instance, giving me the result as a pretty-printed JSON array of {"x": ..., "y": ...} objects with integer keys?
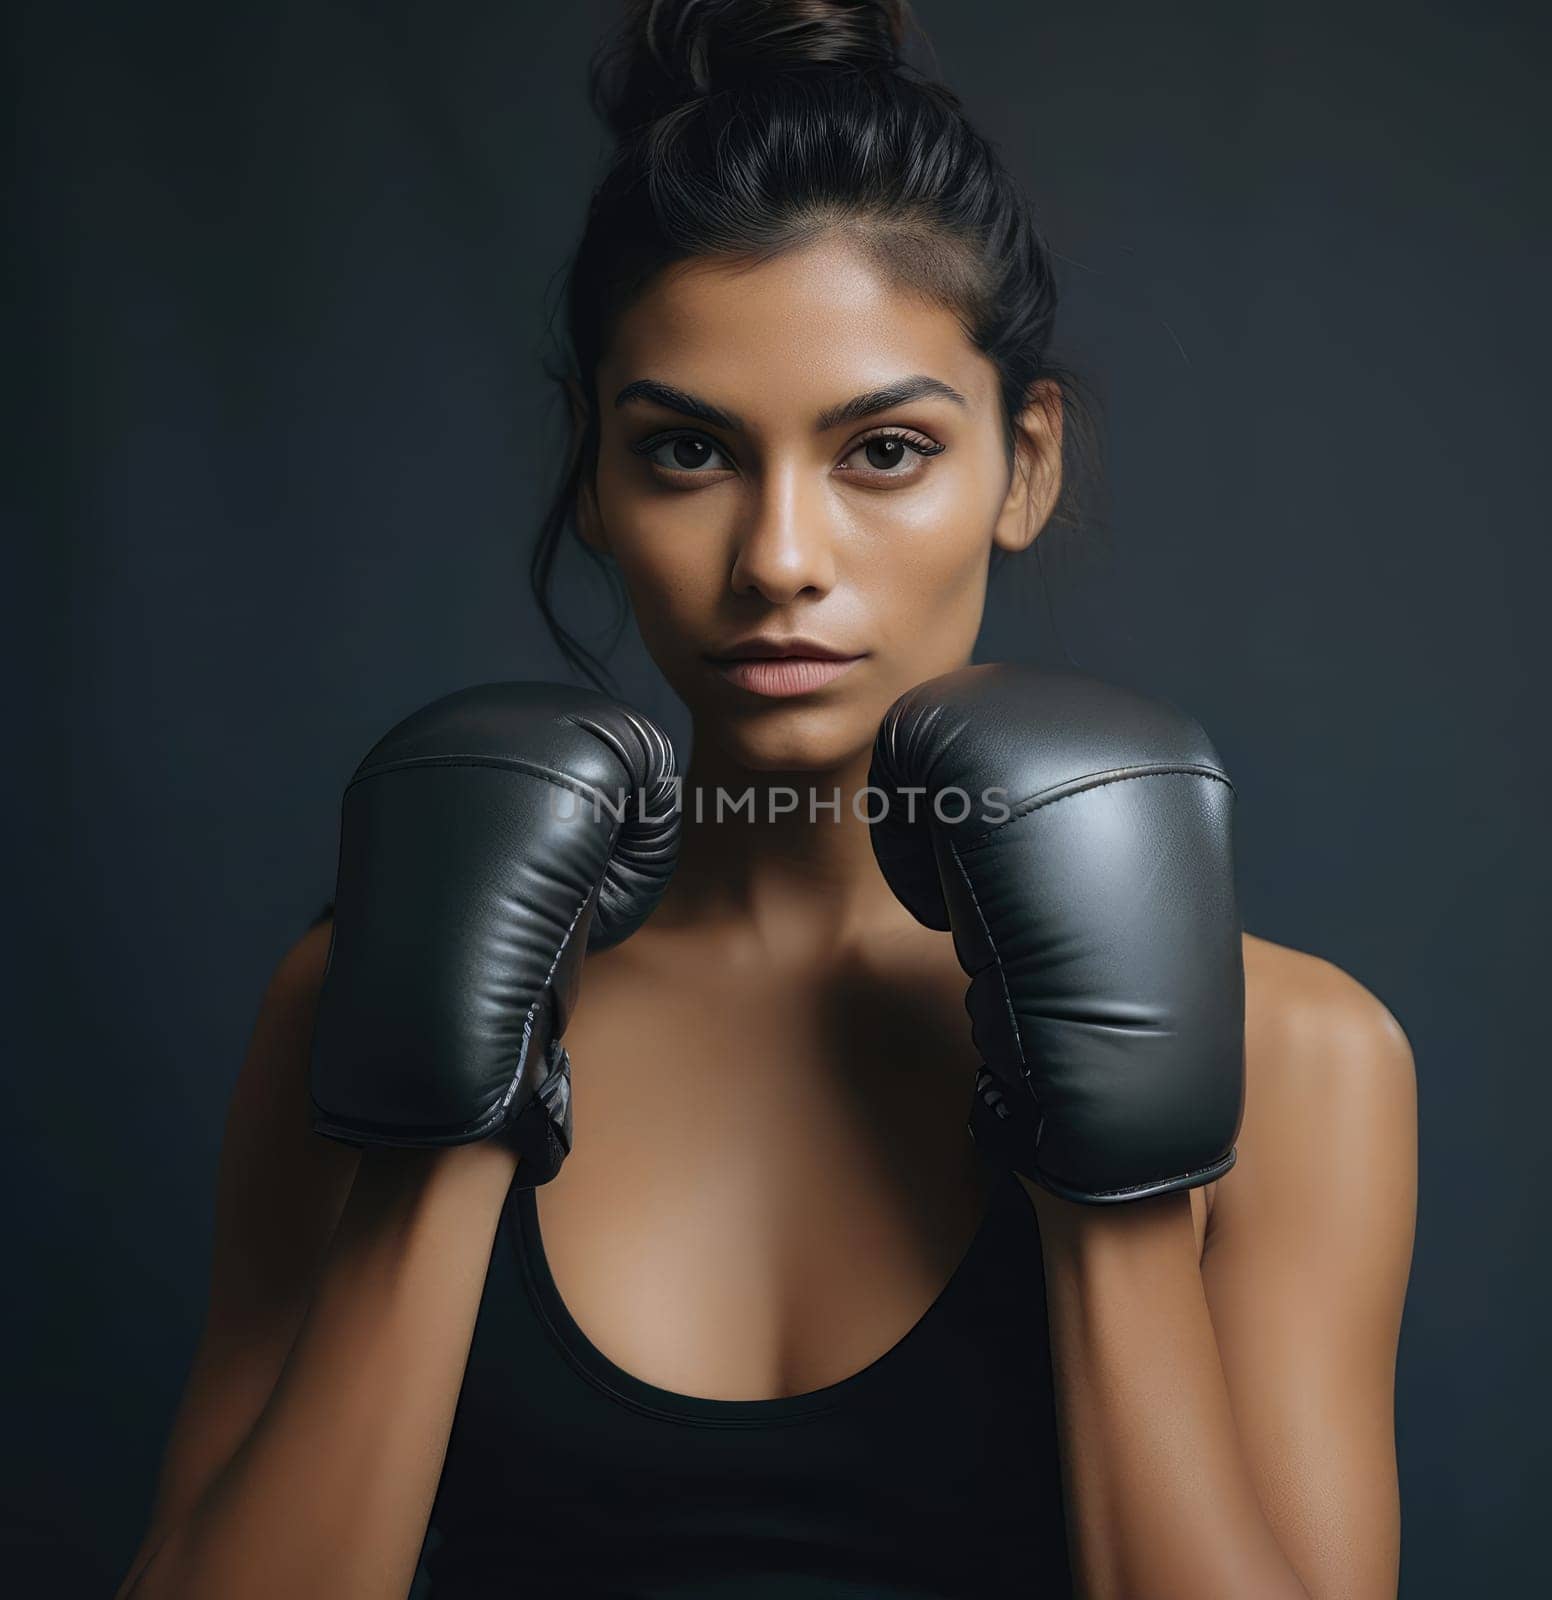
[{"x": 344, "y": 1287}]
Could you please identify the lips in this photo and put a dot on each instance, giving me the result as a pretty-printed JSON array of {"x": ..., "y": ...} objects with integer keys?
[
  {"x": 785, "y": 675},
  {"x": 781, "y": 668}
]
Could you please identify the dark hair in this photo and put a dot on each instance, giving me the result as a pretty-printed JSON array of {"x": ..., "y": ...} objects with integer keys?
[{"x": 747, "y": 127}]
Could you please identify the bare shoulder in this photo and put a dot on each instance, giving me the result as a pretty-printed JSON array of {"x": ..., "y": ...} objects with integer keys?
[
  {"x": 300, "y": 969},
  {"x": 1330, "y": 1100},
  {"x": 1310, "y": 1026},
  {"x": 1314, "y": 1029},
  {"x": 297, "y": 979},
  {"x": 274, "y": 1070}
]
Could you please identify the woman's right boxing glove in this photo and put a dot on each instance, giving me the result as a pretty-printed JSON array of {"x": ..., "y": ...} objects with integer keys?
[{"x": 486, "y": 842}]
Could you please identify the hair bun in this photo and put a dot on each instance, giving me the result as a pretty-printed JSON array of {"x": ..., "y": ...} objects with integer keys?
[{"x": 669, "y": 51}]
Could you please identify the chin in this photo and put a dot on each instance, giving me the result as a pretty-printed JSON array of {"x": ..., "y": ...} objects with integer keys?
[{"x": 792, "y": 738}]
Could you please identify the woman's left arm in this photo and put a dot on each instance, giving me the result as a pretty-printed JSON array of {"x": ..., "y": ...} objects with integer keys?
[{"x": 1227, "y": 1419}]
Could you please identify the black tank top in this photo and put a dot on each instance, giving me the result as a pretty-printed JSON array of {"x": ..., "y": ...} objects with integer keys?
[{"x": 931, "y": 1472}]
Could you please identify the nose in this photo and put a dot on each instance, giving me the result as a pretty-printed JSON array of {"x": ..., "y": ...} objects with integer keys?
[{"x": 786, "y": 543}]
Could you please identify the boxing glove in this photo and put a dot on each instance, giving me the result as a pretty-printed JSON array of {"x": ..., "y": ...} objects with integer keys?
[
  {"x": 486, "y": 842},
  {"x": 1075, "y": 837}
]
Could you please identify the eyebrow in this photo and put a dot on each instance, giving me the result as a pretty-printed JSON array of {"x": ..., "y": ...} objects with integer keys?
[{"x": 916, "y": 387}]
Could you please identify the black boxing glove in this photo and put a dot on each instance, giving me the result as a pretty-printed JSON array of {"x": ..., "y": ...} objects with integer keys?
[
  {"x": 1076, "y": 839},
  {"x": 486, "y": 842}
]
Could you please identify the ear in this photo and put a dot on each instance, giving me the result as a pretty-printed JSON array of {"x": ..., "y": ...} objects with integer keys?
[
  {"x": 1036, "y": 484},
  {"x": 590, "y": 526}
]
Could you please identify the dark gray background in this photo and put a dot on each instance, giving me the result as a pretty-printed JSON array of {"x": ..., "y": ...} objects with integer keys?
[{"x": 285, "y": 272}]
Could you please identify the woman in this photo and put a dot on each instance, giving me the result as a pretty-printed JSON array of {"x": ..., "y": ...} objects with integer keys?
[{"x": 778, "y": 1325}]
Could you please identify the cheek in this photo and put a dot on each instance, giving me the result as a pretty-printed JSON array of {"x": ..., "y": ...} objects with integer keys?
[
  {"x": 672, "y": 561},
  {"x": 924, "y": 550},
  {"x": 672, "y": 581}
]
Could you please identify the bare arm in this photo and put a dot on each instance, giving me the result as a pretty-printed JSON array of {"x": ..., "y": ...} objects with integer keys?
[
  {"x": 1306, "y": 1267},
  {"x": 307, "y": 1450},
  {"x": 1226, "y": 1422}
]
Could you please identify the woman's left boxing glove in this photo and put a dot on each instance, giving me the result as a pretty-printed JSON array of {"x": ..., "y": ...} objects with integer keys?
[
  {"x": 1076, "y": 837},
  {"x": 486, "y": 842}
]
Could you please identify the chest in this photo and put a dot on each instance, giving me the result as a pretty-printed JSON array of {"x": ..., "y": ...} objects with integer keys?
[{"x": 772, "y": 1179}]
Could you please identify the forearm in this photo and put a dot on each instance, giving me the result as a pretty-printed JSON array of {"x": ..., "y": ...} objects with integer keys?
[
  {"x": 1159, "y": 1496},
  {"x": 330, "y": 1493}
]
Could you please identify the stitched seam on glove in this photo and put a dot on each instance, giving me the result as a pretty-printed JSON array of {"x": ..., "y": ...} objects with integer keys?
[
  {"x": 997, "y": 960},
  {"x": 1086, "y": 785},
  {"x": 655, "y": 744},
  {"x": 1184, "y": 1180},
  {"x": 530, "y": 1015}
]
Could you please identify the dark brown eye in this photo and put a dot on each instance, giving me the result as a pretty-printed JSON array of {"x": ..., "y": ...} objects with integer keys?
[
  {"x": 886, "y": 453},
  {"x": 894, "y": 455},
  {"x": 689, "y": 453},
  {"x": 683, "y": 452}
]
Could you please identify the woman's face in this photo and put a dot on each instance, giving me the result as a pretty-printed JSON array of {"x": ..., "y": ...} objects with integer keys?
[{"x": 799, "y": 451}]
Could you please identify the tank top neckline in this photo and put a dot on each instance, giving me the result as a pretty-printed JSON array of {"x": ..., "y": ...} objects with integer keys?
[{"x": 527, "y": 1245}]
